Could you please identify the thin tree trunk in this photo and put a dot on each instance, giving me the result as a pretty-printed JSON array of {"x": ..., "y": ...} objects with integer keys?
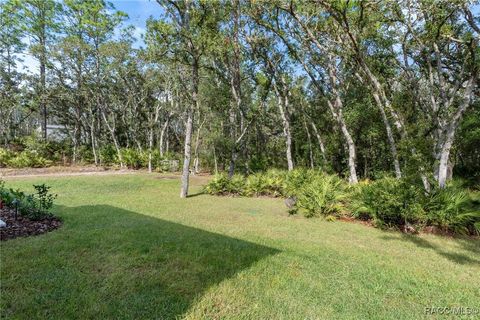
[
  {"x": 282, "y": 102},
  {"x": 390, "y": 137},
  {"x": 162, "y": 135},
  {"x": 150, "y": 149},
  {"x": 92, "y": 137},
  {"x": 337, "y": 110},
  {"x": 114, "y": 138},
  {"x": 320, "y": 141},
  {"x": 188, "y": 132},
  {"x": 310, "y": 149},
  {"x": 215, "y": 160},
  {"x": 196, "y": 161},
  {"x": 187, "y": 155}
]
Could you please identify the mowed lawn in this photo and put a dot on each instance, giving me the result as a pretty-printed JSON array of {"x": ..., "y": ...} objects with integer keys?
[{"x": 130, "y": 248}]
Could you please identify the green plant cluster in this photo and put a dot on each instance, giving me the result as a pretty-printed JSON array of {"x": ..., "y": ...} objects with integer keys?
[
  {"x": 33, "y": 152},
  {"x": 35, "y": 206},
  {"x": 138, "y": 159},
  {"x": 22, "y": 159},
  {"x": 394, "y": 203},
  {"x": 387, "y": 202},
  {"x": 316, "y": 193}
]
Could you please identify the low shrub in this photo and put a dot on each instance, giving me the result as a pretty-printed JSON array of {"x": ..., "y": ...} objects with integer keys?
[
  {"x": 316, "y": 193},
  {"x": 221, "y": 184},
  {"x": 33, "y": 206},
  {"x": 452, "y": 209},
  {"x": 108, "y": 155},
  {"x": 321, "y": 195},
  {"x": 268, "y": 183},
  {"x": 389, "y": 202},
  {"x": 296, "y": 179},
  {"x": 5, "y": 156},
  {"x": 27, "y": 158},
  {"x": 133, "y": 158},
  {"x": 394, "y": 203}
]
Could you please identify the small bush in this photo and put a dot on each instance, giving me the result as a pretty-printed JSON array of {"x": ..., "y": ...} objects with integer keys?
[
  {"x": 219, "y": 185},
  {"x": 451, "y": 209},
  {"x": 33, "y": 206},
  {"x": 108, "y": 155},
  {"x": 5, "y": 156},
  {"x": 322, "y": 196},
  {"x": 273, "y": 181},
  {"x": 28, "y": 158},
  {"x": 296, "y": 179},
  {"x": 134, "y": 159},
  {"x": 390, "y": 202}
]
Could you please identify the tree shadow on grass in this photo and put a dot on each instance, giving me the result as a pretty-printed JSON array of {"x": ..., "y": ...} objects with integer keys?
[
  {"x": 193, "y": 195},
  {"x": 120, "y": 264},
  {"x": 469, "y": 245}
]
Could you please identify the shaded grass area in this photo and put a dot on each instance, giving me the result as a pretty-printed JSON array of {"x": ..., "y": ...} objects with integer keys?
[{"x": 131, "y": 249}]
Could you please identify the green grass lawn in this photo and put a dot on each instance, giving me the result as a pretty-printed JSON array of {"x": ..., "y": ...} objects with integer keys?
[{"x": 130, "y": 248}]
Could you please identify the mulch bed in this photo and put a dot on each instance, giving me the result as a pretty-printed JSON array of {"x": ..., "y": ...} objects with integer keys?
[{"x": 24, "y": 227}]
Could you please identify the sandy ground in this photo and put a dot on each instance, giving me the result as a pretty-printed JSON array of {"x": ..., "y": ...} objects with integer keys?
[{"x": 61, "y": 171}]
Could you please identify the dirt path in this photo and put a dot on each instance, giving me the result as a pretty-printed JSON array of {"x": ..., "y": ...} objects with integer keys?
[{"x": 60, "y": 172}]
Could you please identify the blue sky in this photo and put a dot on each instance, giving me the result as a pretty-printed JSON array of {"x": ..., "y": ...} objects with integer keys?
[{"x": 138, "y": 12}]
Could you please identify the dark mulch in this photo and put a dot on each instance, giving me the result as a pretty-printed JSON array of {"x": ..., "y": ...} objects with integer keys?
[{"x": 24, "y": 227}]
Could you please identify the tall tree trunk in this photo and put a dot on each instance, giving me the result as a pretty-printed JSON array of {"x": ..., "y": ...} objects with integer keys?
[
  {"x": 390, "y": 137},
  {"x": 162, "y": 136},
  {"x": 320, "y": 141},
  {"x": 235, "y": 86},
  {"x": 187, "y": 155},
  {"x": 43, "y": 64},
  {"x": 310, "y": 149},
  {"x": 352, "y": 154},
  {"x": 449, "y": 133},
  {"x": 283, "y": 103},
  {"x": 337, "y": 110},
  {"x": 111, "y": 129},
  {"x": 188, "y": 131},
  {"x": 215, "y": 160},
  {"x": 196, "y": 160},
  {"x": 150, "y": 149},
  {"x": 92, "y": 140}
]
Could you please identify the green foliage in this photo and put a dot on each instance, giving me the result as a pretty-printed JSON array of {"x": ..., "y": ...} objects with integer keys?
[
  {"x": 33, "y": 206},
  {"x": 316, "y": 193},
  {"x": 5, "y": 156},
  {"x": 133, "y": 158},
  {"x": 322, "y": 196},
  {"x": 108, "y": 155},
  {"x": 219, "y": 185},
  {"x": 296, "y": 179},
  {"x": 270, "y": 183},
  {"x": 23, "y": 159},
  {"x": 452, "y": 209},
  {"x": 390, "y": 202}
]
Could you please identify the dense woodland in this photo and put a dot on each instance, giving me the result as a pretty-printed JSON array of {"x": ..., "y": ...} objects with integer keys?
[{"x": 359, "y": 88}]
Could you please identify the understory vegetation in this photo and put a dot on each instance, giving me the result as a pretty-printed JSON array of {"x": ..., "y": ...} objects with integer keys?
[
  {"x": 388, "y": 202},
  {"x": 33, "y": 152},
  {"x": 34, "y": 206}
]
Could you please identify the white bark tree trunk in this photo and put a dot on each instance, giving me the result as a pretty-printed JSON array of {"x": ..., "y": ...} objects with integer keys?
[{"x": 320, "y": 141}]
